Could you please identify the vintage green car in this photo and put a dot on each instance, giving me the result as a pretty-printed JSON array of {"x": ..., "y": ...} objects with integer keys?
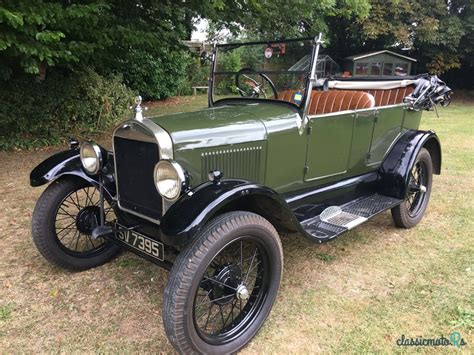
[{"x": 206, "y": 194}]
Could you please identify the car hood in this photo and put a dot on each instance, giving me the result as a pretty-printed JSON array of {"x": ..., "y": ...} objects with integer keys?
[{"x": 224, "y": 125}]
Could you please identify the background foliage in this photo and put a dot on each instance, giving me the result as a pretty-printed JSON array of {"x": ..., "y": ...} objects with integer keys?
[
  {"x": 54, "y": 43},
  {"x": 61, "y": 106}
]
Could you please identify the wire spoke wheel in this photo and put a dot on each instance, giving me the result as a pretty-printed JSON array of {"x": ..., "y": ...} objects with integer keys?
[
  {"x": 231, "y": 290},
  {"x": 76, "y": 217},
  {"x": 417, "y": 188},
  {"x": 63, "y": 220},
  {"x": 410, "y": 212},
  {"x": 222, "y": 287}
]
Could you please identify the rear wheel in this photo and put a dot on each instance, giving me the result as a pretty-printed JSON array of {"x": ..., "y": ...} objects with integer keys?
[
  {"x": 222, "y": 287},
  {"x": 63, "y": 220},
  {"x": 410, "y": 212}
]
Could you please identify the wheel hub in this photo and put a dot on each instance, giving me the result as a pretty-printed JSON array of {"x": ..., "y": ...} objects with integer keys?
[
  {"x": 227, "y": 281},
  {"x": 88, "y": 219},
  {"x": 242, "y": 292}
]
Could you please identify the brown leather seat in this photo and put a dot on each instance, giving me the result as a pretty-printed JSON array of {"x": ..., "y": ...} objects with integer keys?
[
  {"x": 390, "y": 96},
  {"x": 323, "y": 102}
]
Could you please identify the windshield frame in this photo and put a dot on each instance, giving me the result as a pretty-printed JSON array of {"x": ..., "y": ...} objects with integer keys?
[{"x": 310, "y": 73}]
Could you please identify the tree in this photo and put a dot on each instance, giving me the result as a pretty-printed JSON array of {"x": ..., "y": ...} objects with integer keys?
[
  {"x": 40, "y": 33},
  {"x": 439, "y": 33}
]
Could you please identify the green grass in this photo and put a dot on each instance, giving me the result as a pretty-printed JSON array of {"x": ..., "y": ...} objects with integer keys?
[
  {"x": 5, "y": 312},
  {"x": 357, "y": 294}
]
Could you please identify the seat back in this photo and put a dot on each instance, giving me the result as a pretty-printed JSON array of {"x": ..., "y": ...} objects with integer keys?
[
  {"x": 323, "y": 102},
  {"x": 390, "y": 96}
]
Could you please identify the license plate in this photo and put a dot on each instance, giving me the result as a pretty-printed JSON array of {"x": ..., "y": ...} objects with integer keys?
[{"x": 142, "y": 243}]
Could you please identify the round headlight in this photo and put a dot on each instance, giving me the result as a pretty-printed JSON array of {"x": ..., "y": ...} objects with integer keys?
[
  {"x": 91, "y": 157},
  {"x": 169, "y": 178}
]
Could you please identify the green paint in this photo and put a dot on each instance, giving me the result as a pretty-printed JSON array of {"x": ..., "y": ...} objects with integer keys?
[{"x": 264, "y": 143}]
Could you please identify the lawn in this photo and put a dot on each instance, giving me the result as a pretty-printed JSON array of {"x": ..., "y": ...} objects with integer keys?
[{"x": 359, "y": 293}]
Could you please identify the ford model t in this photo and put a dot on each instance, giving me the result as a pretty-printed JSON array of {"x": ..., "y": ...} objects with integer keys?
[{"x": 206, "y": 194}]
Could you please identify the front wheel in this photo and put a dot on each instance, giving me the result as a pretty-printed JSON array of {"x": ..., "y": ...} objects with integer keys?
[
  {"x": 63, "y": 220},
  {"x": 410, "y": 212},
  {"x": 222, "y": 287}
]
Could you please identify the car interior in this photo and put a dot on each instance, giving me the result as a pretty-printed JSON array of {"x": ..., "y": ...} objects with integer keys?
[{"x": 338, "y": 99}]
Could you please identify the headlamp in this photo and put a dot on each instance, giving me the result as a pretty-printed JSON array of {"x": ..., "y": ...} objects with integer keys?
[
  {"x": 169, "y": 179},
  {"x": 91, "y": 157}
]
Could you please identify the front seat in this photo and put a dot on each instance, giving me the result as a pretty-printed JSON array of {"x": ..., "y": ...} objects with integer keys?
[{"x": 323, "y": 102}]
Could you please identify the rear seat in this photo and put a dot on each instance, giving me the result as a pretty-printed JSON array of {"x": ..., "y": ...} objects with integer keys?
[
  {"x": 390, "y": 96},
  {"x": 323, "y": 102}
]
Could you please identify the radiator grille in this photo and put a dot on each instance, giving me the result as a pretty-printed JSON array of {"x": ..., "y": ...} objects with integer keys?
[
  {"x": 134, "y": 163},
  {"x": 239, "y": 163}
]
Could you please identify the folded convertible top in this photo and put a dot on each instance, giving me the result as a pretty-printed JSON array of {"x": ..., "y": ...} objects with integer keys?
[{"x": 370, "y": 85}]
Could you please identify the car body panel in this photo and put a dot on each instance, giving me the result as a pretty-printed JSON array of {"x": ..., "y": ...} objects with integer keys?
[
  {"x": 207, "y": 128},
  {"x": 387, "y": 126},
  {"x": 236, "y": 139},
  {"x": 395, "y": 169},
  {"x": 68, "y": 163},
  {"x": 361, "y": 141},
  {"x": 329, "y": 146},
  {"x": 209, "y": 198}
]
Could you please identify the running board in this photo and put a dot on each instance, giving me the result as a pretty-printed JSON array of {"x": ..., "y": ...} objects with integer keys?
[{"x": 336, "y": 220}]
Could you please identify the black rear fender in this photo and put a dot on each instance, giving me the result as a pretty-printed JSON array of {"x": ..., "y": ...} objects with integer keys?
[
  {"x": 192, "y": 211},
  {"x": 395, "y": 170}
]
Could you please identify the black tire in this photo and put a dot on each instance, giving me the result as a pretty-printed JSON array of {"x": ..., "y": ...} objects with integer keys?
[
  {"x": 222, "y": 235},
  {"x": 410, "y": 212},
  {"x": 45, "y": 227}
]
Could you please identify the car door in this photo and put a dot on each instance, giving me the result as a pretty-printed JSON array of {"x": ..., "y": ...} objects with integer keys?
[
  {"x": 387, "y": 127},
  {"x": 329, "y": 145}
]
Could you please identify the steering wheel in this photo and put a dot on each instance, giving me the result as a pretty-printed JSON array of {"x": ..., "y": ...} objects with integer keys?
[{"x": 256, "y": 89}]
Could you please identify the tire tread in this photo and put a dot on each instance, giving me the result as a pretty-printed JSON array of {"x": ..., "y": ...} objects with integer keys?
[
  {"x": 181, "y": 278},
  {"x": 44, "y": 242}
]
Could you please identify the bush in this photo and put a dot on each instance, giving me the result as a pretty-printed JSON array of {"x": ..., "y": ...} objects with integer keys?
[
  {"x": 228, "y": 62},
  {"x": 155, "y": 77},
  {"x": 36, "y": 113},
  {"x": 196, "y": 75}
]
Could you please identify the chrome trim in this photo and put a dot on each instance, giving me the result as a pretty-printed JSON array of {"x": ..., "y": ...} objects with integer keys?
[
  {"x": 143, "y": 130},
  {"x": 98, "y": 154},
  {"x": 358, "y": 111},
  {"x": 146, "y": 126}
]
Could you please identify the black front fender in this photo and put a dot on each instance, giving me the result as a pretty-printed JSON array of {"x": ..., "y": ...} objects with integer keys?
[
  {"x": 193, "y": 210},
  {"x": 395, "y": 170},
  {"x": 67, "y": 162}
]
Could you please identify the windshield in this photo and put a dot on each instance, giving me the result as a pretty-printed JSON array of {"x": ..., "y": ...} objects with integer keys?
[{"x": 275, "y": 70}]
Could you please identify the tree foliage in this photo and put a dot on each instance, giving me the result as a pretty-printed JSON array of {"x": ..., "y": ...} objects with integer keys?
[
  {"x": 104, "y": 34},
  {"x": 440, "y": 33}
]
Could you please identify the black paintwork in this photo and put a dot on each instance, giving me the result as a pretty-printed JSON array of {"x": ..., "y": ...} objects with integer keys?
[
  {"x": 68, "y": 162},
  {"x": 189, "y": 214},
  {"x": 311, "y": 202},
  {"x": 395, "y": 169}
]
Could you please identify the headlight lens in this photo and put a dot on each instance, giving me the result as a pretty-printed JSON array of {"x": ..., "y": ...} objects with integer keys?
[
  {"x": 169, "y": 178},
  {"x": 91, "y": 157}
]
